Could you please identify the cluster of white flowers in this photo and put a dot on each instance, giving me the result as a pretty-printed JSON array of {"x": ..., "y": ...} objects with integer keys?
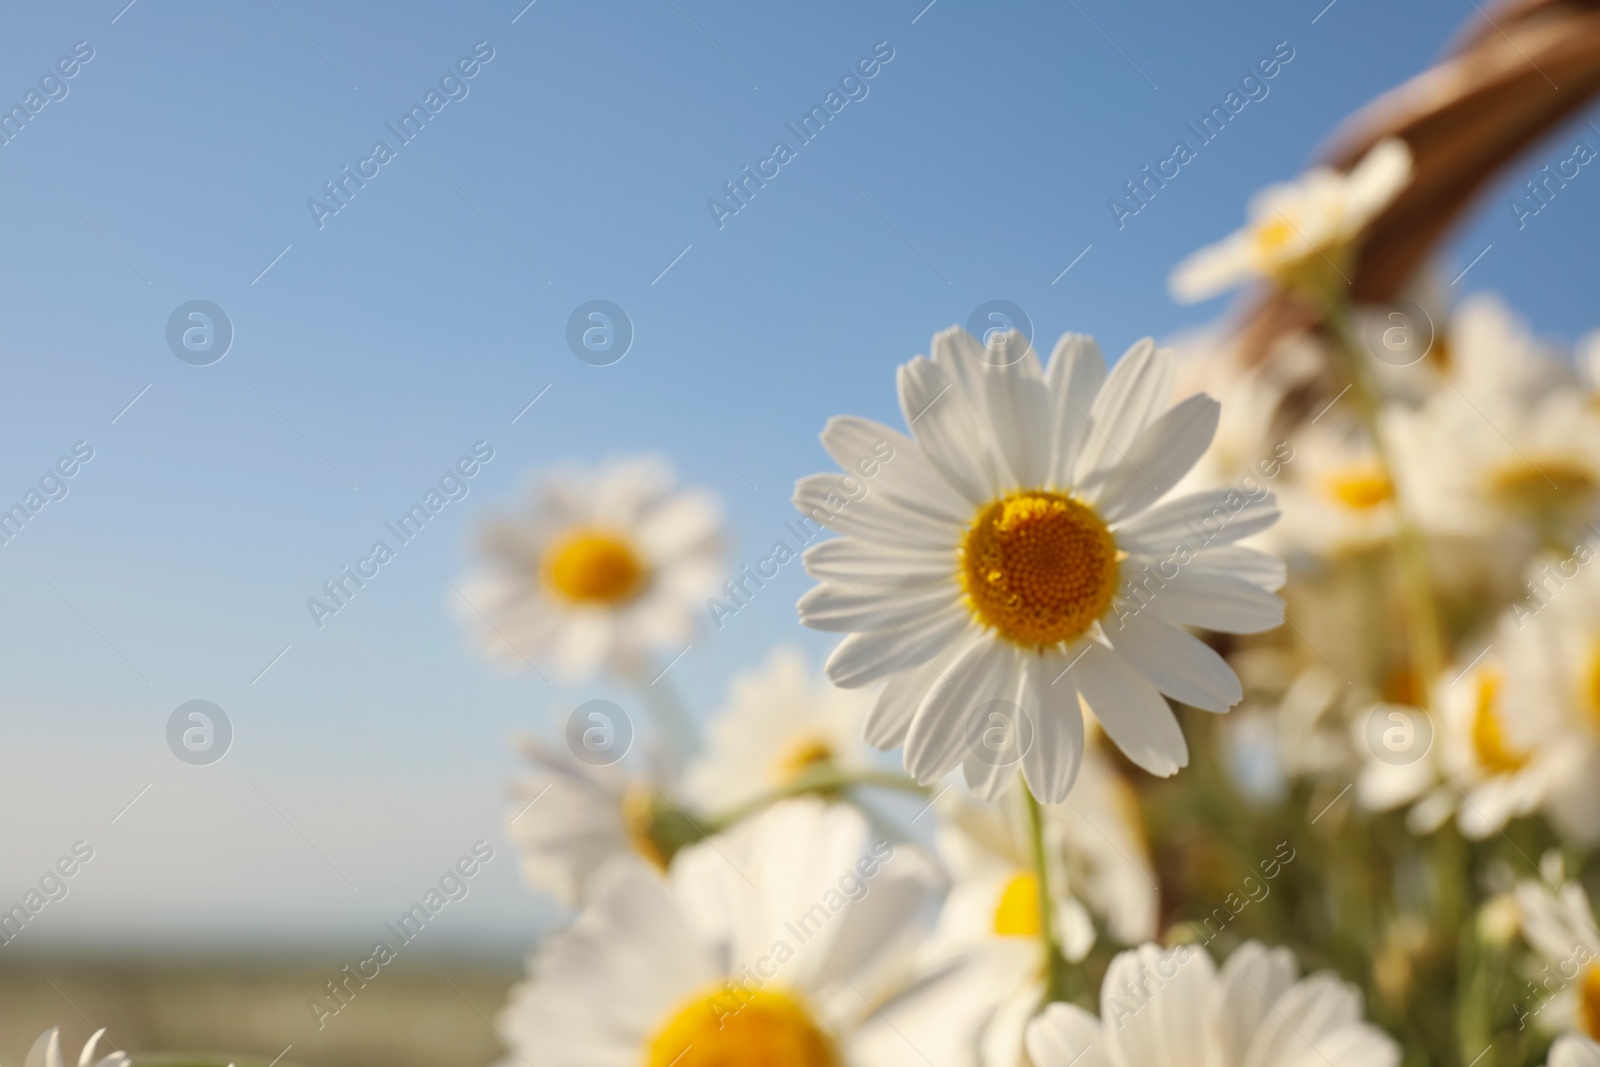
[{"x": 1060, "y": 553}]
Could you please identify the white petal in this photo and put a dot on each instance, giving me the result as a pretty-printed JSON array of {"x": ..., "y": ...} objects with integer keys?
[
  {"x": 1019, "y": 418},
  {"x": 1247, "y": 986},
  {"x": 1197, "y": 520},
  {"x": 890, "y": 717},
  {"x": 938, "y": 738},
  {"x": 1260, "y": 569},
  {"x": 1136, "y": 391},
  {"x": 893, "y": 464},
  {"x": 1065, "y": 1035},
  {"x": 1051, "y": 763},
  {"x": 1574, "y": 1050},
  {"x": 960, "y": 355},
  {"x": 46, "y": 1051},
  {"x": 943, "y": 423},
  {"x": 1212, "y": 270},
  {"x": 871, "y": 564},
  {"x": 1180, "y": 664},
  {"x": 825, "y": 499},
  {"x": 1217, "y": 602},
  {"x": 1161, "y": 455},
  {"x": 1131, "y": 710},
  {"x": 1076, "y": 372},
  {"x": 873, "y": 655},
  {"x": 1377, "y": 180},
  {"x": 841, "y": 608}
]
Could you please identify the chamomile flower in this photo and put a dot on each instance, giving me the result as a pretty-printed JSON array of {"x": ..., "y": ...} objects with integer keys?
[
  {"x": 46, "y": 1052},
  {"x": 1299, "y": 231},
  {"x": 1016, "y": 558},
  {"x": 602, "y": 567},
  {"x": 782, "y": 722},
  {"x": 1174, "y": 1008},
  {"x": 1473, "y": 768},
  {"x": 1341, "y": 501},
  {"x": 1559, "y": 924},
  {"x": 772, "y": 944},
  {"x": 570, "y": 819}
]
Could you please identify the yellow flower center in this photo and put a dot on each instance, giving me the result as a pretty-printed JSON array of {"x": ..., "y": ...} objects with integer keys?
[
  {"x": 1271, "y": 236},
  {"x": 1039, "y": 567},
  {"x": 1589, "y": 1002},
  {"x": 802, "y": 757},
  {"x": 1591, "y": 687},
  {"x": 1017, "y": 914},
  {"x": 594, "y": 567},
  {"x": 733, "y": 1027},
  {"x": 1360, "y": 487},
  {"x": 1488, "y": 738},
  {"x": 1543, "y": 484}
]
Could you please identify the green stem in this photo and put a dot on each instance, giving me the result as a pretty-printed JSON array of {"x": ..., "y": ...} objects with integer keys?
[
  {"x": 1416, "y": 584},
  {"x": 1054, "y": 963},
  {"x": 824, "y": 779}
]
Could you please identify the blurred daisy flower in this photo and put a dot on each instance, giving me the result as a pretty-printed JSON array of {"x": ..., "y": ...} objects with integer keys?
[
  {"x": 1015, "y": 559},
  {"x": 1299, "y": 231},
  {"x": 1559, "y": 924},
  {"x": 782, "y": 723},
  {"x": 570, "y": 818},
  {"x": 1523, "y": 435},
  {"x": 772, "y": 943},
  {"x": 602, "y": 567},
  {"x": 46, "y": 1052},
  {"x": 1161, "y": 1006}
]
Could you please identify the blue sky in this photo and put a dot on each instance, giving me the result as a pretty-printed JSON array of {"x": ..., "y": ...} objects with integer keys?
[{"x": 372, "y": 351}]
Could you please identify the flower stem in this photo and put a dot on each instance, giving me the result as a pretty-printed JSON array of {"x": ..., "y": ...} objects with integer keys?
[
  {"x": 1416, "y": 583},
  {"x": 1054, "y": 963}
]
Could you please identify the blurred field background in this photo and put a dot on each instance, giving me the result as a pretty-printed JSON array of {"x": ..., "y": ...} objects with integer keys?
[{"x": 246, "y": 1009}]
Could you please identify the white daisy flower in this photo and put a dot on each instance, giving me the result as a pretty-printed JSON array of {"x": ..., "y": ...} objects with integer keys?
[
  {"x": 1559, "y": 924},
  {"x": 1299, "y": 230},
  {"x": 1099, "y": 868},
  {"x": 601, "y": 568},
  {"x": 772, "y": 943},
  {"x": 1174, "y": 1008},
  {"x": 1016, "y": 561},
  {"x": 1521, "y": 465},
  {"x": 1472, "y": 770},
  {"x": 570, "y": 819},
  {"x": 1341, "y": 499},
  {"x": 46, "y": 1052},
  {"x": 1552, "y": 657},
  {"x": 1574, "y": 1051},
  {"x": 781, "y": 722}
]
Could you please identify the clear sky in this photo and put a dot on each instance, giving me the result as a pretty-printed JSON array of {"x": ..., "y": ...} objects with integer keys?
[{"x": 374, "y": 346}]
